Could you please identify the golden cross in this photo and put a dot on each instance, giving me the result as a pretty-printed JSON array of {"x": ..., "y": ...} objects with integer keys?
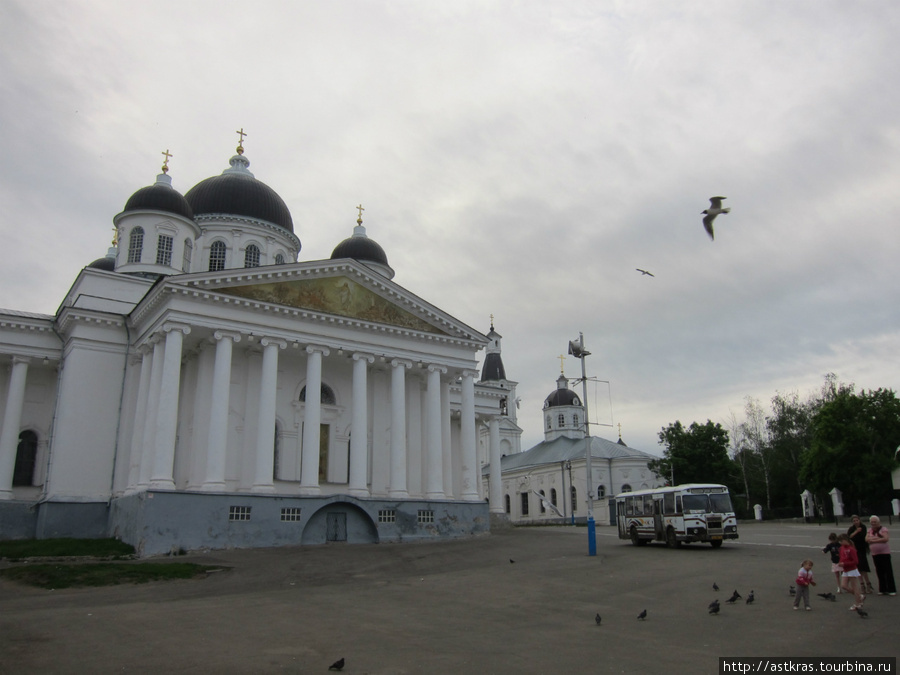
[
  {"x": 620, "y": 430},
  {"x": 240, "y": 147},
  {"x": 561, "y": 359},
  {"x": 165, "y": 166},
  {"x": 492, "y": 322},
  {"x": 360, "y": 209},
  {"x": 115, "y": 239}
]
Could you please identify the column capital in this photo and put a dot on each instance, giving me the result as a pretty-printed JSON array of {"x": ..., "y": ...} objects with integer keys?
[
  {"x": 397, "y": 363},
  {"x": 324, "y": 351},
  {"x": 170, "y": 326},
  {"x": 277, "y": 342},
  {"x": 15, "y": 360},
  {"x": 361, "y": 356},
  {"x": 468, "y": 373},
  {"x": 226, "y": 335},
  {"x": 436, "y": 367}
]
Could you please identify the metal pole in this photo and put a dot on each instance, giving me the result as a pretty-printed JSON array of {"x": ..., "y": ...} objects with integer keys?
[{"x": 592, "y": 535}]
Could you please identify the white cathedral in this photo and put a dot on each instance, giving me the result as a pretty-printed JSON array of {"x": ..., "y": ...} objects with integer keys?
[{"x": 199, "y": 387}]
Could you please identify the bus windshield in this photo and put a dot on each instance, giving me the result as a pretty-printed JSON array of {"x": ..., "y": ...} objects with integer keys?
[
  {"x": 719, "y": 502},
  {"x": 695, "y": 504}
]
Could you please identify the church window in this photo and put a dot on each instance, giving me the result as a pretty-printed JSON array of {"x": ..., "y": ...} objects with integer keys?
[
  {"x": 387, "y": 515},
  {"x": 217, "y": 256},
  {"x": 251, "y": 256},
  {"x": 239, "y": 513},
  {"x": 164, "y": 250},
  {"x": 279, "y": 259},
  {"x": 553, "y": 496},
  {"x": 328, "y": 397},
  {"x": 549, "y": 423},
  {"x": 507, "y": 502},
  {"x": 626, "y": 488},
  {"x": 524, "y": 498},
  {"x": 575, "y": 421},
  {"x": 26, "y": 455},
  {"x": 574, "y": 498},
  {"x": 543, "y": 497},
  {"x": 425, "y": 516},
  {"x": 188, "y": 254},
  {"x": 601, "y": 491},
  {"x": 290, "y": 514},
  {"x": 135, "y": 244},
  {"x": 562, "y": 420}
]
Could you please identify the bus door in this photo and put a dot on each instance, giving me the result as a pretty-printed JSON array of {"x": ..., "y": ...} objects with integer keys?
[
  {"x": 620, "y": 518},
  {"x": 658, "y": 523}
]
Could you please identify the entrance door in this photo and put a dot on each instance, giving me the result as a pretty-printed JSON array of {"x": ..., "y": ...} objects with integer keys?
[{"x": 336, "y": 526}]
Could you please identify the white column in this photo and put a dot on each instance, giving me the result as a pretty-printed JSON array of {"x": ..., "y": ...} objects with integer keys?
[
  {"x": 140, "y": 418},
  {"x": 312, "y": 419},
  {"x": 264, "y": 480},
  {"x": 398, "y": 428},
  {"x": 496, "y": 483},
  {"x": 217, "y": 438},
  {"x": 359, "y": 426},
  {"x": 434, "y": 482},
  {"x": 467, "y": 438},
  {"x": 447, "y": 442},
  {"x": 167, "y": 412},
  {"x": 148, "y": 443},
  {"x": 12, "y": 418}
]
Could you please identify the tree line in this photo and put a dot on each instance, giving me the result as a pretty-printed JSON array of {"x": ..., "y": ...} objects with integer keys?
[{"x": 835, "y": 438}]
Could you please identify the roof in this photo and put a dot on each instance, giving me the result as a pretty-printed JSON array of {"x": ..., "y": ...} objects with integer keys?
[
  {"x": 493, "y": 368},
  {"x": 569, "y": 449},
  {"x": 159, "y": 197}
]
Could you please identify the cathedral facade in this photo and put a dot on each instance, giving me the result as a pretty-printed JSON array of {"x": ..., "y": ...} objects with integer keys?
[{"x": 201, "y": 387}]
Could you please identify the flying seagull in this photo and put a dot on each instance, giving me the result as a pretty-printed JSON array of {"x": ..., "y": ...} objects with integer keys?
[
  {"x": 337, "y": 665},
  {"x": 645, "y": 272},
  {"x": 715, "y": 208},
  {"x": 642, "y": 615}
]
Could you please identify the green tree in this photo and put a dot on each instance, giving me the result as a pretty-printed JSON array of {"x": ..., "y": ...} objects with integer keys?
[
  {"x": 853, "y": 442},
  {"x": 698, "y": 454}
]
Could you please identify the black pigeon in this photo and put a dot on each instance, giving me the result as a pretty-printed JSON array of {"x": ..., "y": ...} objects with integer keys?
[
  {"x": 597, "y": 619},
  {"x": 642, "y": 615},
  {"x": 734, "y": 597},
  {"x": 715, "y": 208},
  {"x": 750, "y": 598},
  {"x": 714, "y": 608},
  {"x": 645, "y": 272},
  {"x": 714, "y": 603},
  {"x": 862, "y": 613},
  {"x": 828, "y": 596},
  {"x": 715, "y": 587},
  {"x": 337, "y": 665},
  {"x": 792, "y": 591},
  {"x": 511, "y": 561}
]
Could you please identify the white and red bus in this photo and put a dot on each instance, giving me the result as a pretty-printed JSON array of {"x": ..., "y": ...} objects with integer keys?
[{"x": 683, "y": 513}]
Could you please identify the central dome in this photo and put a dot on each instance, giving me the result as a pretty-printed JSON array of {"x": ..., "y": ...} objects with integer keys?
[{"x": 236, "y": 192}]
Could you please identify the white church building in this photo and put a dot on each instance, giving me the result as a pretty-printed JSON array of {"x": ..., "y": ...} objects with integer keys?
[
  {"x": 201, "y": 387},
  {"x": 531, "y": 487}
]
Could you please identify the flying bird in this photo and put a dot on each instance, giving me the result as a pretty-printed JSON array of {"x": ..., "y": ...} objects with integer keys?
[
  {"x": 715, "y": 587},
  {"x": 715, "y": 208},
  {"x": 337, "y": 665},
  {"x": 828, "y": 596},
  {"x": 734, "y": 597},
  {"x": 645, "y": 272},
  {"x": 750, "y": 598},
  {"x": 642, "y": 615},
  {"x": 597, "y": 619}
]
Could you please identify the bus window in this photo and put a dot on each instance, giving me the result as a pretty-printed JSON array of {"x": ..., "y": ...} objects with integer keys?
[
  {"x": 695, "y": 504},
  {"x": 669, "y": 503},
  {"x": 721, "y": 503},
  {"x": 629, "y": 506},
  {"x": 648, "y": 505}
]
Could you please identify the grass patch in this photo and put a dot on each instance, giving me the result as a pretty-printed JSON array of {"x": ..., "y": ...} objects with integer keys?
[
  {"x": 54, "y": 548},
  {"x": 101, "y": 574}
]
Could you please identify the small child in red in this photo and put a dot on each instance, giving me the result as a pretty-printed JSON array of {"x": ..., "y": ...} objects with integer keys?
[{"x": 804, "y": 581}]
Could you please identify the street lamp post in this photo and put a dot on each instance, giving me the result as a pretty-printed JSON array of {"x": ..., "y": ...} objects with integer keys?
[{"x": 578, "y": 351}]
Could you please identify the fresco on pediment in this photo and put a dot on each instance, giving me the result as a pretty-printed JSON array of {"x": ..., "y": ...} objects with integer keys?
[{"x": 332, "y": 295}]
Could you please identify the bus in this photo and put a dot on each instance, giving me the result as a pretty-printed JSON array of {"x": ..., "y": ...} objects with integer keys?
[{"x": 683, "y": 513}]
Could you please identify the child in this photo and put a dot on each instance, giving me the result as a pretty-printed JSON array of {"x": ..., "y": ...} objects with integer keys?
[
  {"x": 850, "y": 574},
  {"x": 804, "y": 581},
  {"x": 833, "y": 547}
]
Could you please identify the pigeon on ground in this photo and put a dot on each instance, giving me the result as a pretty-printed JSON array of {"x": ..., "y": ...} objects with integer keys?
[
  {"x": 714, "y": 607},
  {"x": 828, "y": 596},
  {"x": 750, "y": 598},
  {"x": 511, "y": 561},
  {"x": 337, "y": 665},
  {"x": 642, "y": 615},
  {"x": 715, "y": 587},
  {"x": 645, "y": 272},
  {"x": 862, "y": 613},
  {"x": 597, "y": 619},
  {"x": 792, "y": 591},
  {"x": 734, "y": 597},
  {"x": 715, "y": 208}
]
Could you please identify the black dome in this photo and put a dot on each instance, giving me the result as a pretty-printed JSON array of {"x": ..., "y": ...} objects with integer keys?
[
  {"x": 159, "y": 197},
  {"x": 493, "y": 369},
  {"x": 106, "y": 263},
  {"x": 561, "y": 397},
  {"x": 239, "y": 194},
  {"x": 360, "y": 248}
]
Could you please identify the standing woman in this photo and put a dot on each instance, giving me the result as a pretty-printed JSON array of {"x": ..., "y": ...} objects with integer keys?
[
  {"x": 857, "y": 533},
  {"x": 881, "y": 555}
]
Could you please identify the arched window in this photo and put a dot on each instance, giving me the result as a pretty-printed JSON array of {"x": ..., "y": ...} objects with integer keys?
[
  {"x": 506, "y": 500},
  {"x": 279, "y": 259},
  {"x": 251, "y": 256},
  {"x": 562, "y": 420},
  {"x": 26, "y": 454},
  {"x": 553, "y": 496},
  {"x": 626, "y": 488},
  {"x": 328, "y": 397},
  {"x": 164, "y": 250},
  {"x": 601, "y": 491},
  {"x": 524, "y": 498},
  {"x": 135, "y": 244},
  {"x": 188, "y": 254},
  {"x": 549, "y": 422},
  {"x": 217, "y": 256},
  {"x": 574, "y": 498}
]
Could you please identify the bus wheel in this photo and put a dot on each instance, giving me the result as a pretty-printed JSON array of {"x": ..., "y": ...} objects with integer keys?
[
  {"x": 716, "y": 543},
  {"x": 671, "y": 541},
  {"x": 634, "y": 536}
]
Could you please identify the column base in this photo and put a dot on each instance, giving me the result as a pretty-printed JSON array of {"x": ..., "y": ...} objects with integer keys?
[
  {"x": 6, "y": 494},
  {"x": 211, "y": 487},
  {"x": 358, "y": 492},
  {"x": 263, "y": 489},
  {"x": 435, "y": 495},
  {"x": 310, "y": 490},
  {"x": 165, "y": 484},
  {"x": 398, "y": 494},
  {"x": 471, "y": 497}
]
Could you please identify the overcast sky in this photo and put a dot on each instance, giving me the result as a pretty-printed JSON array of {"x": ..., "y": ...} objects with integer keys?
[{"x": 519, "y": 159}]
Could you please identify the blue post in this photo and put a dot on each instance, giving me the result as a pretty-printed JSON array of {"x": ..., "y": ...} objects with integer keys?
[{"x": 592, "y": 537}]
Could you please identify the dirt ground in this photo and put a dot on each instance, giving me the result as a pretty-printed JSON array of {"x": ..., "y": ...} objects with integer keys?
[{"x": 516, "y": 601}]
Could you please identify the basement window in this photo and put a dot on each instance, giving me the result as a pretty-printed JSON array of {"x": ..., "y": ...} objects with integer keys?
[{"x": 239, "y": 513}]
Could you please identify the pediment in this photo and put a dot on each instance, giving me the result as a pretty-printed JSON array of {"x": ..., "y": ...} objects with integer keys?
[{"x": 338, "y": 295}]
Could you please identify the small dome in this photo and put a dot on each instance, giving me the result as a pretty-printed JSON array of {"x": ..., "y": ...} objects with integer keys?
[
  {"x": 106, "y": 264},
  {"x": 236, "y": 192},
  {"x": 562, "y": 395},
  {"x": 360, "y": 248},
  {"x": 160, "y": 196}
]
